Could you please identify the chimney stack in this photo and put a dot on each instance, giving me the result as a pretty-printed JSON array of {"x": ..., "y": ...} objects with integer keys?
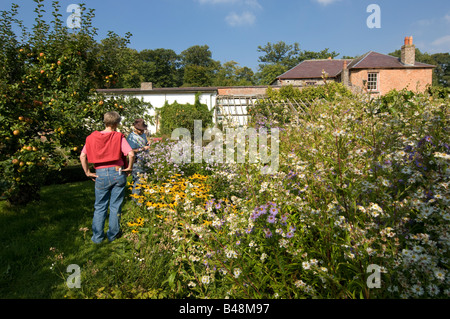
[
  {"x": 146, "y": 86},
  {"x": 408, "y": 56},
  {"x": 345, "y": 76}
]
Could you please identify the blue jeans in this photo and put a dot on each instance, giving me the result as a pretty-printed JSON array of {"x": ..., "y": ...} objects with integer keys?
[{"x": 109, "y": 192}]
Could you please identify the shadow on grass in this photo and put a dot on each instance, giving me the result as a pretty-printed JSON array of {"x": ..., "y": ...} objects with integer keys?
[{"x": 27, "y": 234}]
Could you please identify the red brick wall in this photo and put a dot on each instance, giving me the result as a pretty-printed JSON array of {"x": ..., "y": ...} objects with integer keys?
[
  {"x": 388, "y": 79},
  {"x": 242, "y": 90}
]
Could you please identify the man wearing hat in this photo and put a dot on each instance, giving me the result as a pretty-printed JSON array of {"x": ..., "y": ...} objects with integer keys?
[{"x": 138, "y": 142}]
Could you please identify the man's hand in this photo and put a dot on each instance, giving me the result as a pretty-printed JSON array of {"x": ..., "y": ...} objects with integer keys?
[
  {"x": 85, "y": 165},
  {"x": 91, "y": 175},
  {"x": 127, "y": 170}
]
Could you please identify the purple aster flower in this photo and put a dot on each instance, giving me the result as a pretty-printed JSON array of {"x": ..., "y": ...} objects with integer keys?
[
  {"x": 268, "y": 233},
  {"x": 290, "y": 234},
  {"x": 254, "y": 216},
  {"x": 271, "y": 219},
  {"x": 273, "y": 211}
]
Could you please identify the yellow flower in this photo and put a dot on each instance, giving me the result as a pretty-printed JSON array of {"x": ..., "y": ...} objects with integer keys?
[{"x": 207, "y": 223}]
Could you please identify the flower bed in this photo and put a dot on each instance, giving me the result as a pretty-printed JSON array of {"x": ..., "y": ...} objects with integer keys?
[{"x": 361, "y": 185}]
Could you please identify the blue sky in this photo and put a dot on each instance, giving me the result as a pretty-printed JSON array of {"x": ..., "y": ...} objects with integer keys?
[{"x": 233, "y": 29}]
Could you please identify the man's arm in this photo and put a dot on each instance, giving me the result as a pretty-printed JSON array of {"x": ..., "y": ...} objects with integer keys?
[
  {"x": 131, "y": 158},
  {"x": 85, "y": 165}
]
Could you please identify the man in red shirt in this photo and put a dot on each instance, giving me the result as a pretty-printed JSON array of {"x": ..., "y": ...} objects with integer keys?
[{"x": 107, "y": 150}]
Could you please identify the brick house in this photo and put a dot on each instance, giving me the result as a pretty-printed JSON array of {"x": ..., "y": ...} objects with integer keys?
[{"x": 376, "y": 72}]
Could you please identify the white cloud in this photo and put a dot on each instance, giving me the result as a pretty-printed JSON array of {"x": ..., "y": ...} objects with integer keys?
[
  {"x": 253, "y": 4},
  {"x": 235, "y": 20},
  {"x": 425, "y": 22},
  {"x": 217, "y": 1},
  {"x": 326, "y": 2},
  {"x": 442, "y": 41},
  {"x": 447, "y": 17},
  {"x": 247, "y": 17},
  {"x": 249, "y": 3}
]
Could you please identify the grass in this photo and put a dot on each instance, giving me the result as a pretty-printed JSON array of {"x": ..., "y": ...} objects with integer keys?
[{"x": 27, "y": 234}]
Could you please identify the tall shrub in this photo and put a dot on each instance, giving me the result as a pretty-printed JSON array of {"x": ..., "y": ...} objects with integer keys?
[{"x": 178, "y": 115}]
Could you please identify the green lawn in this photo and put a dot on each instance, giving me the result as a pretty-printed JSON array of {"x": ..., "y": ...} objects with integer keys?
[{"x": 27, "y": 234}]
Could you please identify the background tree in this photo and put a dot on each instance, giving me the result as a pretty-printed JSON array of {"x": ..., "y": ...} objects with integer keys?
[
  {"x": 280, "y": 53},
  {"x": 312, "y": 55},
  {"x": 442, "y": 71},
  {"x": 198, "y": 66},
  {"x": 280, "y": 57},
  {"x": 122, "y": 61},
  {"x": 230, "y": 74},
  {"x": 161, "y": 67}
]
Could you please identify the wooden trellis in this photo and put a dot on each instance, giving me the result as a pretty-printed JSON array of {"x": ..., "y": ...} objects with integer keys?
[{"x": 235, "y": 108}]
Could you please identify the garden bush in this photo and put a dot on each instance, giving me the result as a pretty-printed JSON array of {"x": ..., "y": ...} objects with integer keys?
[
  {"x": 277, "y": 108},
  {"x": 178, "y": 115}
]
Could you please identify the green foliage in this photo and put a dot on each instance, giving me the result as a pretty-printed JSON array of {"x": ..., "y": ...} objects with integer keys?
[
  {"x": 162, "y": 67},
  {"x": 268, "y": 73},
  {"x": 198, "y": 65},
  {"x": 178, "y": 115},
  {"x": 230, "y": 74},
  {"x": 280, "y": 57},
  {"x": 276, "y": 108},
  {"x": 439, "y": 92},
  {"x": 122, "y": 62},
  {"x": 48, "y": 98},
  {"x": 356, "y": 186}
]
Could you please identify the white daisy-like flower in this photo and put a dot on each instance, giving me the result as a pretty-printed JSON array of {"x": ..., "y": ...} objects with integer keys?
[{"x": 205, "y": 280}]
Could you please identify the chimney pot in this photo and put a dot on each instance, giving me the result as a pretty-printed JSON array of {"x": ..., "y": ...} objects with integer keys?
[{"x": 146, "y": 86}]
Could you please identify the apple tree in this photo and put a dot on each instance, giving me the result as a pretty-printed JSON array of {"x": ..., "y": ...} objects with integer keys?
[{"x": 49, "y": 102}]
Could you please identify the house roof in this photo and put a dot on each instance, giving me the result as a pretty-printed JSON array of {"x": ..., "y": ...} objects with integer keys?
[
  {"x": 313, "y": 69},
  {"x": 375, "y": 60},
  {"x": 371, "y": 60}
]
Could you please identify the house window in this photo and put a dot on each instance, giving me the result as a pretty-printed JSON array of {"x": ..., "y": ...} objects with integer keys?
[{"x": 372, "y": 82}]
